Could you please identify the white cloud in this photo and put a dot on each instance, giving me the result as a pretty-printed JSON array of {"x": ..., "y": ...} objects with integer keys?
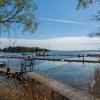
[{"x": 61, "y": 43}]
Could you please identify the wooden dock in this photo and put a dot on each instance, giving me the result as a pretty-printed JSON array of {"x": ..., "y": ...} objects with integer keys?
[
  {"x": 78, "y": 59},
  {"x": 66, "y": 59},
  {"x": 5, "y": 70},
  {"x": 60, "y": 88}
]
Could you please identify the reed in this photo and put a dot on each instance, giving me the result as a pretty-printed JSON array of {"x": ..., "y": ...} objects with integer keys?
[
  {"x": 95, "y": 86},
  {"x": 27, "y": 90}
]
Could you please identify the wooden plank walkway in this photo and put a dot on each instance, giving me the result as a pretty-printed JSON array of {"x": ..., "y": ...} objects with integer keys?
[
  {"x": 64, "y": 59},
  {"x": 56, "y": 59},
  {"x": 4, "y": 70},
  {"x": 64, "y": 90}
]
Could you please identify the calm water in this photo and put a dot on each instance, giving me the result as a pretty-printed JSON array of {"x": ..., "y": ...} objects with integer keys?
[
  {"x": 75, "y": 53},
  {"x": 75, "y": 74}
]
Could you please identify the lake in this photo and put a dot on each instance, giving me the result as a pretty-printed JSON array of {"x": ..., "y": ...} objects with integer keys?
[{"x": 75, "y": 74}]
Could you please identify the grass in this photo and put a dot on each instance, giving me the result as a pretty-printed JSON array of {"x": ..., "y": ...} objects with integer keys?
[
  {"x": 27, "y": 90},
  {"x": 95, "y": 86}
]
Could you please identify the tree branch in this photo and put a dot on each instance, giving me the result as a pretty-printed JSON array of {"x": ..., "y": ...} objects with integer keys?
[{"x": 8, "y": 20}]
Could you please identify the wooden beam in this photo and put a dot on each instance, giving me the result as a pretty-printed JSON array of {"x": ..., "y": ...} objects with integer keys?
[{"x": 62, "y": 89}]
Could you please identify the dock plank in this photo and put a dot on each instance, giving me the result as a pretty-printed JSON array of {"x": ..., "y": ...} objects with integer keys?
[
  {"x": 62, "y": 89},
  {"x": 66, "y": 59},
  {"x": 4, "y": 70},
  {"x": 55, "y": 59}
]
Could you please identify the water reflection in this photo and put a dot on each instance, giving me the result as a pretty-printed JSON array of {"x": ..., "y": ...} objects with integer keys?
[{"x": 75, "y": 74}]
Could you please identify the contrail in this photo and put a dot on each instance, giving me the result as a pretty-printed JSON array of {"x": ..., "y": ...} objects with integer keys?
[{"x": 68, "y": 21}]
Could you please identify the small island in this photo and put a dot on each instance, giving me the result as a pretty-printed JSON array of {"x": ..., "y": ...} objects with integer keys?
[{"x": 23, "y": 49}]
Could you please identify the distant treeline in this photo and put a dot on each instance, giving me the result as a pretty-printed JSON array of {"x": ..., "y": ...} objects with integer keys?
[{"x": 23, "y": 49}]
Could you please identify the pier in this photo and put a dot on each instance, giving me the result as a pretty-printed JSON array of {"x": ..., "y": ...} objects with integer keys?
[
  {"x": 11, "y": 73},
  {"x": 7, "y": 70},
  {"x": 83, "y": 60},
  {"x": 64, "y": 90},
  {"x": 77, "y": 59}
]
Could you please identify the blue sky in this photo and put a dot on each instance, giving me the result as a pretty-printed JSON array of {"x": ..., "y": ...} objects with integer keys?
[
  {"x": 64, "y": 10},
  {"x": 59, "y": 18}
]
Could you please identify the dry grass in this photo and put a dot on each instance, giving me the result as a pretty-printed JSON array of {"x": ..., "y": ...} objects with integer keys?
[
  {"x": 29, "y": 90},
  {"x": 95, "y": 87}
]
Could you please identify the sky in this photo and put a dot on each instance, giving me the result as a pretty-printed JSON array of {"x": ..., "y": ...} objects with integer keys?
[
  {"x": 61, "y": 43},
  {"x": 61, "y": 26}
]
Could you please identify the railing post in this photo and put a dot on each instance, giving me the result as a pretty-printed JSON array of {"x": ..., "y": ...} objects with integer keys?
[
  {"x": 8, "y": 70},
  {"x": 52, "y": 95}
]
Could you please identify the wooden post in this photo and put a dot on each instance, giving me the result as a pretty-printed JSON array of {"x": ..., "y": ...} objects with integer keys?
[
  {"x": 52, "y": 93},
  {"x": 8, "y": 70}
]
